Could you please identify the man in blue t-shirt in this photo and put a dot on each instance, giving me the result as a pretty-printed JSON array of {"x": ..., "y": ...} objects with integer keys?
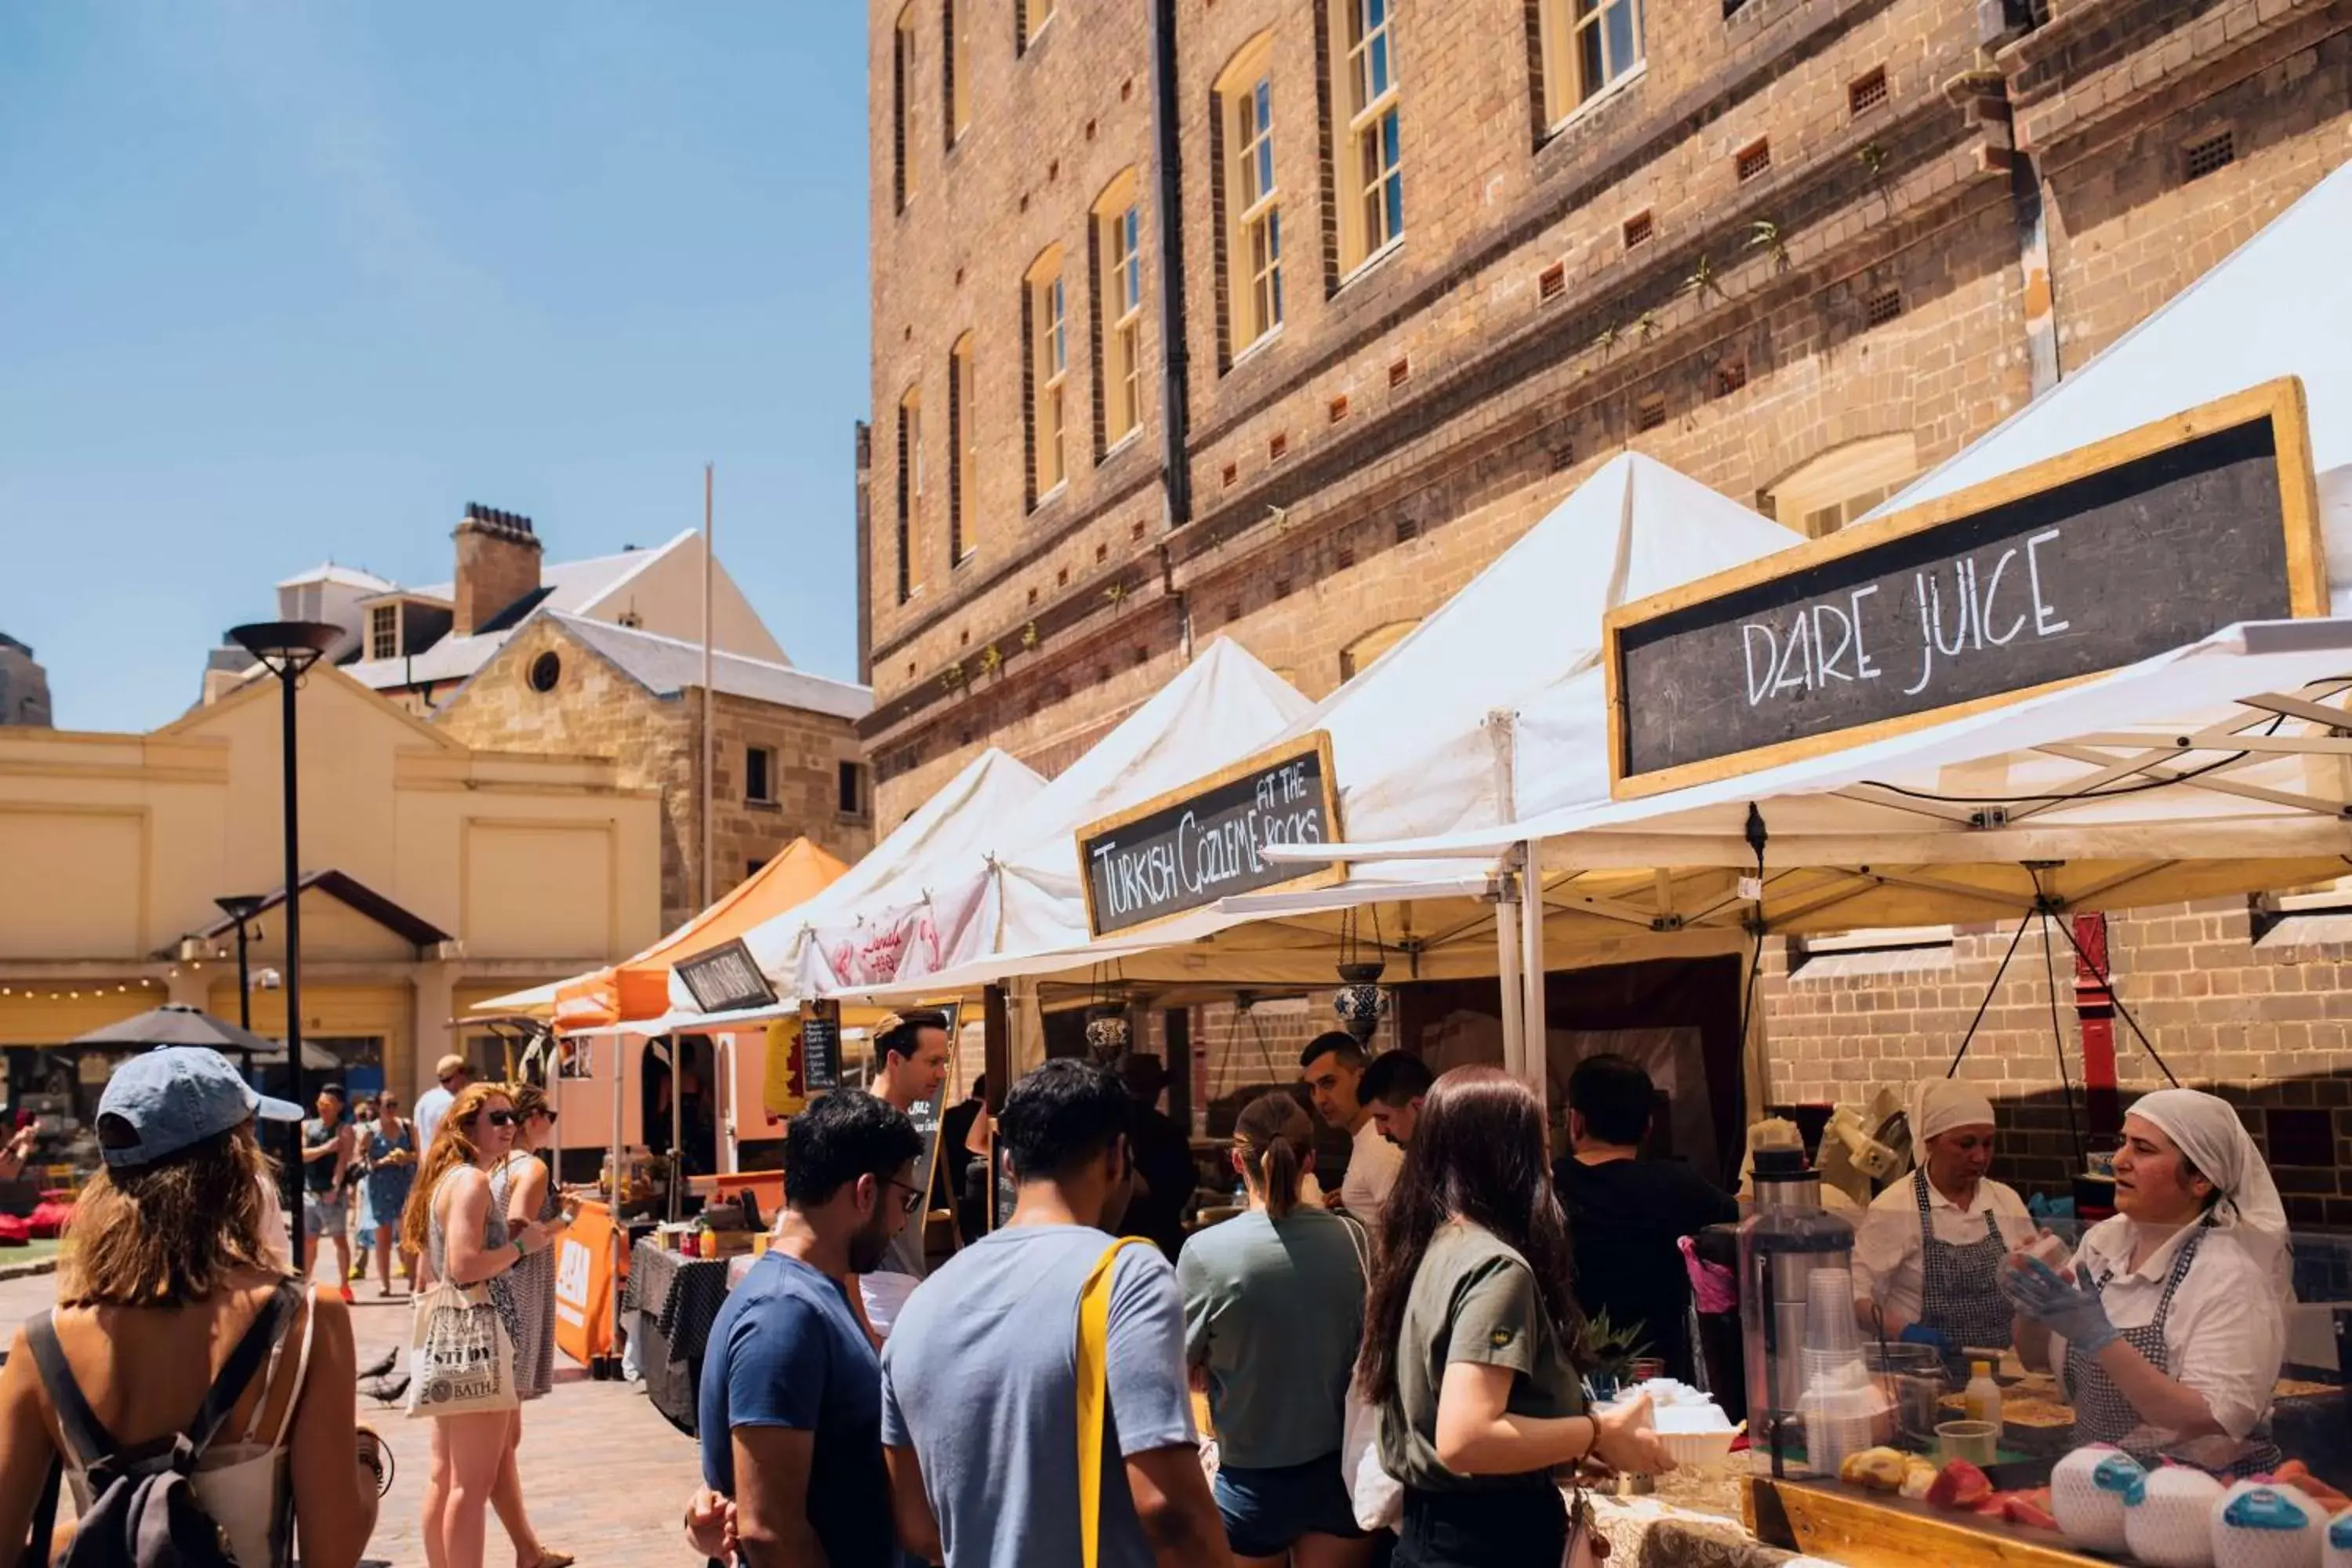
[
  {"x": 979, "y": 1380},
  {"x": 792, "y": 1392}
]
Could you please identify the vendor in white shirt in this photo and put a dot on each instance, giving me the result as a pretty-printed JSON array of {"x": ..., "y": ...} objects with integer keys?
[
  {"x": 1333, "y": 1065},
  {"x": 1928, "y": 1252},
  {"x": 2168, "y": 1327}
]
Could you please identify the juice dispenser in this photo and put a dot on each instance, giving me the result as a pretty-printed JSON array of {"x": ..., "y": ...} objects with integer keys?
[{"x": 1786, "y": 1241}]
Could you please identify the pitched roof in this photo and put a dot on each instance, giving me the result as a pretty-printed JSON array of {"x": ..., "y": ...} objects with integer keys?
[
  {"x": 667, "y": 665},
  {"x": 341, "y": 576},
  {"x": 346, "y": 890}
]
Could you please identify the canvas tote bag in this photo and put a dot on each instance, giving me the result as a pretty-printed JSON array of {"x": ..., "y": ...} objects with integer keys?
[{"x": 460, "y": 1357}]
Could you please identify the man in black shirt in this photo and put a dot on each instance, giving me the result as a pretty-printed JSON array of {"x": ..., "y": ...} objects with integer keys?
[
  {"x": 1625, "y": 1214},
  {"x": 1162, "y": 1156}
]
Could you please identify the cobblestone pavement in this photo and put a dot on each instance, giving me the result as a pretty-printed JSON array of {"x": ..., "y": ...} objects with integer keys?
[{"x": 604, "y": 1476}]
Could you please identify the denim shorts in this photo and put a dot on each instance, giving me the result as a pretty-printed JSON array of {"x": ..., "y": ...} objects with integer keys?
[
  {"x": 325, "y": 1214},
  {"x": 1266, "y": 1509}
]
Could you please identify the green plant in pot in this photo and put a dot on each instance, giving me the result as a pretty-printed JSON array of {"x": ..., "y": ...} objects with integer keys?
[{"x": 1611, "y": 1350}]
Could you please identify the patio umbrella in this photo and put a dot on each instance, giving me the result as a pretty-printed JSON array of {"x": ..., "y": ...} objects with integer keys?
[{"x": 174, "y": 1023}]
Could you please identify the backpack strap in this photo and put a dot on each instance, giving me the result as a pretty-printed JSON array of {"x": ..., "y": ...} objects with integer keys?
[
  {"x": 1094, "y": 1392},
  {"x": 237, "y": 1372},
  {"x": 86, "y": 1437}
]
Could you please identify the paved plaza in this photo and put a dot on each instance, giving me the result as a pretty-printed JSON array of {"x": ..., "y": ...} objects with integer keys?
[{"x": 605, "y": 1476}]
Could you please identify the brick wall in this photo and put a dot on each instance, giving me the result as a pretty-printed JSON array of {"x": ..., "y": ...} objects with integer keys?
[{"x": 2267, "y": 1025}]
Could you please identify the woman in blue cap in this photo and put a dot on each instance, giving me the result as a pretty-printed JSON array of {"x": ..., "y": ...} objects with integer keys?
[{"x": 168, "y": 1265}]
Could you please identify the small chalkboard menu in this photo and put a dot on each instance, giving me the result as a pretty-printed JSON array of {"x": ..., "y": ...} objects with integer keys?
[
  {"x": 1197, "y": 844},
  {"x": 725, "y": 979},
  {"x": 2070, "y": 568},
  {"x": 820, "y": 1044}
]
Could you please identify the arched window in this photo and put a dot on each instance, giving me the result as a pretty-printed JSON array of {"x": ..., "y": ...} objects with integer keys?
[
  {"x": 962, "y": 539},
  {"x": 1118, "y": 311},
  {"x": 1358, "y": 656},
  {"x": 1045, "y": 318},
  {"x": 1824, "y": 493},
  {"x": 1367, "y": 139},
  {"x": 910, "y": 493},
  {"x": 1252, "y": 244}
]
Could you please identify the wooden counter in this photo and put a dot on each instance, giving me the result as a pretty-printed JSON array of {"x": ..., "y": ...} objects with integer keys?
[{"x": 1868, "y": 1530}]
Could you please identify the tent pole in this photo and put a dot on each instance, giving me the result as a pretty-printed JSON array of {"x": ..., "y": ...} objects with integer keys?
[
  {"x": 617, "y": 1244},
  {"x": 1499, "y": 731},
  {"x": 1531, "y": 967}
]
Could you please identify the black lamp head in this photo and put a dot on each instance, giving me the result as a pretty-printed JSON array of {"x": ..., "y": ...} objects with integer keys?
[
  {"x": 239, "y": 907},
  {"x": 286, "y": 644}
]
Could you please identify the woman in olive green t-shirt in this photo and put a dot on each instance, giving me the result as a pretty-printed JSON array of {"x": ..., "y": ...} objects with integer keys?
[{"x": 1467, "y": 1338}]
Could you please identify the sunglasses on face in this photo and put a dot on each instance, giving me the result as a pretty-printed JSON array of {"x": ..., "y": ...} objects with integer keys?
[{"x": 500, "y": 1118}]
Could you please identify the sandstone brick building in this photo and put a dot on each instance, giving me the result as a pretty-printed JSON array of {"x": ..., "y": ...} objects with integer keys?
[
  {"x": 602, "y": 659},
  {"x": 1280, "y": 318}
]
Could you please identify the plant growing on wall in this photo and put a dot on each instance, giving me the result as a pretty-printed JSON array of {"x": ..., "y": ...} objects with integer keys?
[
  {"x": 1702, "y": 280},
  {"x": 1764, "y": 234},
  {"x": 1029, "y": 635},
  {"x": 991, "y": 661},
  {"x": 1648, "y": 325}
]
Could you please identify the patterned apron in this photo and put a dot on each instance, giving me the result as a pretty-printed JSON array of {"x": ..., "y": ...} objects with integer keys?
[
  {"x": 1959, "y": 1284},
  {"x": 2101, "y": 1413}
]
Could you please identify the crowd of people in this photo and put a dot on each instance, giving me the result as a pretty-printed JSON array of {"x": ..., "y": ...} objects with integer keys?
[{"x": 1392, "y": 1362}]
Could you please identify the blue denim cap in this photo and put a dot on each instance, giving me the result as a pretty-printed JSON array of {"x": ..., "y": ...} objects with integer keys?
[{"x": 174, "y": 1097}]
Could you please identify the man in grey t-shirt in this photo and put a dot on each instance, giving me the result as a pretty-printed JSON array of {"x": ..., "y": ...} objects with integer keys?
[
  {"x": 980, "y": 1381},
  {"x": 911, "y": 1051}
]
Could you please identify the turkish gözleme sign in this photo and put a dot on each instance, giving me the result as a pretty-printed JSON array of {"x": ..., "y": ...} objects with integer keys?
[
  {"x": 2084, "y": 563},
  {"x": 1200, "y": 842}
]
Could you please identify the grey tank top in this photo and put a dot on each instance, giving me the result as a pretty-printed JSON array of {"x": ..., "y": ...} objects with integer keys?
[{"x": 437, "y": 1237}]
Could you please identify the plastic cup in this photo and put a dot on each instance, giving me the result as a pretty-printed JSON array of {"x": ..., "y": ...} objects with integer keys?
[
  {"x": 1977, "y": 1442},
  {"x": 1830, "y": 1325}
]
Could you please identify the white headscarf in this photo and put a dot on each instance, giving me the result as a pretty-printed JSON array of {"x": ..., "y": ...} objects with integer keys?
[
  {"x": 2212, "y": 1138},
  {"x": 1939, "y": 1105}
]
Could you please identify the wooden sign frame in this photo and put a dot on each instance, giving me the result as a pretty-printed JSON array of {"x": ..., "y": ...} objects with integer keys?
[
  {"x": 2280, "y": 401},
  {"x": 1320, "y": 875}
]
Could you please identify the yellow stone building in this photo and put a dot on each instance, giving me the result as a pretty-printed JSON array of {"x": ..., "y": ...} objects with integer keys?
[{"x": 435, "y": 875}]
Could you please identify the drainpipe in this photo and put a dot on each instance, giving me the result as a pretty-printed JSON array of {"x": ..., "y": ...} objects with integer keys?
[
  {"x": 2040, "y": 298},
  {"x": 1175, "y": 396}
]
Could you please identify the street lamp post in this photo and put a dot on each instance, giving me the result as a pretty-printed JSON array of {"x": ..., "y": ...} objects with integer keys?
[
  {"x": 287, "y": 649},
  {"x": 241, "y": 907}
]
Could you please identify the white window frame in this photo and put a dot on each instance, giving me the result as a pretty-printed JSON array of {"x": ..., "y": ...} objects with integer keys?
[
  {"x": 383, "y": 631},
  {"x": 964, "y": 385},
  {"x": 1119, "y": 227},
  {"x": 1252, "y": 199},
  {"x": 1568, "y": 87},
  {"x": 1372, "y": 155},
  {"x": 1049, "y": 359}
]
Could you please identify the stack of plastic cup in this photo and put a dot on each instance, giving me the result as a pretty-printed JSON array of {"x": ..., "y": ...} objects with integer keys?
[{"x": 1844, "y": 1409}]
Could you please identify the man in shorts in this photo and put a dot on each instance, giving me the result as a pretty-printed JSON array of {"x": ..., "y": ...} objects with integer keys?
[{"x": 328, "y": 1150}]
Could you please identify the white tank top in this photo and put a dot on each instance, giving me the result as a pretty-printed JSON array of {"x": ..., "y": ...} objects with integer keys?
[{"x": 245, "y": 1486}]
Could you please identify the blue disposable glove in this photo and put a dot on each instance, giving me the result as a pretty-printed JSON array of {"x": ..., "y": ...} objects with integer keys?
[
  {"x": 1921, "y": 1334},
  {"x": 2069, "y": 1307}
]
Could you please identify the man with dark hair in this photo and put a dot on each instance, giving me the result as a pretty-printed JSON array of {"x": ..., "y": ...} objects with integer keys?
[
  {"x": 791, "y": 1400},
  {"x": 1333, "y": 1066},
  {"x": 910, "y": 1063},
  {"x": 1393, "y": 1088},
  {"x": 1165, "y": 1176},
  {"x": 1627, "y": 1216},
  {"x": 980, "y": 1390}
]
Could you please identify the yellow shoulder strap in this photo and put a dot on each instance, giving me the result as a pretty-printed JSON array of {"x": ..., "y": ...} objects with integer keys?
[{"x": 1094, "y": 1393}]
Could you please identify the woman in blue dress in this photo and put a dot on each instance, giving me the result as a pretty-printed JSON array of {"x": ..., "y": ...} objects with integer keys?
[{"x": 391, "y": 1148}]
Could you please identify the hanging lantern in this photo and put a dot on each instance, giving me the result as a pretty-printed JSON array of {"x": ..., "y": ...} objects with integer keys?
[
  {"x": 1107, "y": 1033},
  {"x": 1361, "y": 1004}
]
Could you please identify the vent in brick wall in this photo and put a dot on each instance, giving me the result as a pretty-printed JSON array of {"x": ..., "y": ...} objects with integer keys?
[
  {"x": 1232, "y": 472},
  {"x": 1061, "y": 578},
  {"x": 1398, "y": 371},
  {"x": 1343, "y": 557},
  {"x": 1090, "y": 130},
  {"x": 1032, "y": 595},
  {"x": 1127, "y": 89},
  {"x": 1102, "y": 553},
  {"x": 1135, "y": 529},
  {"x": 959, "y": 277},
  {"x": 1282, "y": 588},
  {"x": 1753, "y": 161},
  {"x": 1553, "y": 281},
  {"x": 963, "y": 637},
  {"x": 1650, "y": 412},
  {"x": 1407, "y": 531},
  {"x": 1563, "y": 455},
  {"x": 1882, "y": 307},
  {"x": 1143, "y": 655},
  {"x": 1052, "y": 170},
  {"x": 1232, "y": 611},
  {"x": 1866, "y": 93},
  {"x": 2213, "y": 153},
  {"x": 1730, "y": 376},
  {"x": 1278, "y": 446},
  {"x": 1338, "y": 408},
  {"x": 1639, "y": 228},
  {"x": 1025, "y": 201}
]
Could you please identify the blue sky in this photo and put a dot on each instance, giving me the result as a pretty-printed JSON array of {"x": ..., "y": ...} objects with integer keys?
[{"x": 282, "y": 280}]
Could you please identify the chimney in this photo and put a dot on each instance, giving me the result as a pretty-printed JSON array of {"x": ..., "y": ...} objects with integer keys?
[{"x": 498, "y": 564}]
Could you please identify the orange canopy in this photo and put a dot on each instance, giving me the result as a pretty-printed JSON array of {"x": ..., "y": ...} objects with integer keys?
[{"x": 640, "y": 987}]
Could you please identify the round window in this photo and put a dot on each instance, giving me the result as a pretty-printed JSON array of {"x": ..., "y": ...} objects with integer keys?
[{"x": 545, "y": 671}]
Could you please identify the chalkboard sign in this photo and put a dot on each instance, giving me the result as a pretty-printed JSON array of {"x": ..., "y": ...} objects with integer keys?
[
  {"x": 725, "y": 979},
  {"x": 2070, "y": 568},
  {"x": 820, "y": 1046},
  {"x": 1196, "y": 845}
]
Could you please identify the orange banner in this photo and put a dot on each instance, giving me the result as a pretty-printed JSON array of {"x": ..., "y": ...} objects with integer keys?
[{"x": 585, "y": 1263}]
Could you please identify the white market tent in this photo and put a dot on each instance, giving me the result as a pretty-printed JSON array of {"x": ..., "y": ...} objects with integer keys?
[
  {"x": 2222, "y": 766},
  {"x": 1015, "y": 886},
  {"x": 1424, "y": 740}
]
